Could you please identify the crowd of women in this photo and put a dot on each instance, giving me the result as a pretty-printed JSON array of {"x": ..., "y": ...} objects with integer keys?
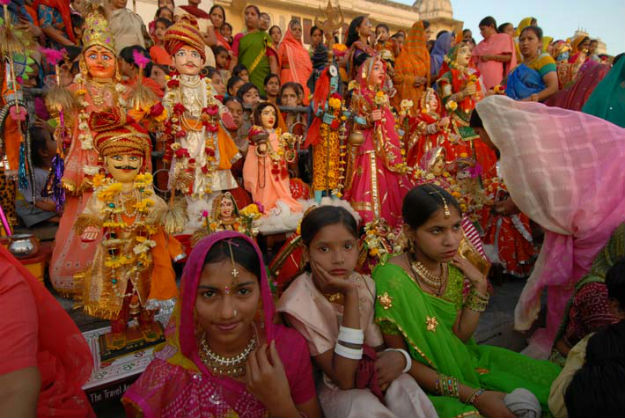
[{"x": 409, "y": 173}]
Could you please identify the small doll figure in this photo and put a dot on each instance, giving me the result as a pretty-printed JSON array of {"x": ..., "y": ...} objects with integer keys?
[
  {"x": 225, "y": 216},
  {"x": 428, "y": 130},
  {"x": 265, "y": 172},
  {"x": 460, "y": 89}
]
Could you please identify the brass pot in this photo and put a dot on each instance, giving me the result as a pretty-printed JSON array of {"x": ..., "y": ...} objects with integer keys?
[
  {"x": 24, "y": 245},
  {"x": 356, "y": 138}
]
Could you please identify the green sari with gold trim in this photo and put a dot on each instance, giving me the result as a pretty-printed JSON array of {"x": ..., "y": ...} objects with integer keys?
[
  {"x": 426, "y": 324},
  {"x": 253, "y": 54}
]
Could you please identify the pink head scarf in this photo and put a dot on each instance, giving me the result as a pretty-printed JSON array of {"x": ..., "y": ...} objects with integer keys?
[
  {"x": 190, "y": 280},
  {"x": 564, "y": 169}
]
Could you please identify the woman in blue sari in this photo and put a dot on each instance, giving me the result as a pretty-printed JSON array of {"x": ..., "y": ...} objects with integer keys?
[
  {"x": 535, "y": 79},
  {"x": 437, "y": 56}
]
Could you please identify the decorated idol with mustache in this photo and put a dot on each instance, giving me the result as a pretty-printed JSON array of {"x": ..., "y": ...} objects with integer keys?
[
  {"x": 199, "y": 149},
  {"x": 131, "y": 274}
]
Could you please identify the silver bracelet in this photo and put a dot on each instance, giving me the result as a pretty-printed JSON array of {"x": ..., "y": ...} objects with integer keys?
[{"x": 406, "y": 356}]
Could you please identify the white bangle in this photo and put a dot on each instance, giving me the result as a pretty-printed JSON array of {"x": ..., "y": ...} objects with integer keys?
[
  {"x": 351, "y": 335},
  {"x": 350, "y": 353},
  {"x": 406, "y": 356}
]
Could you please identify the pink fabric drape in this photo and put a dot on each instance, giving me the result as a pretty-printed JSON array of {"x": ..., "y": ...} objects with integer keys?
[
  {"x": 564, "y": 170},
  {"x": 493, "y": 72},
  {"x": 574, "y": 97}
]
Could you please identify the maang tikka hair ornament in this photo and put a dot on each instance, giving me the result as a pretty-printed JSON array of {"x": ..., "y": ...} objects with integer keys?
[{"x": 446, "y": 210}]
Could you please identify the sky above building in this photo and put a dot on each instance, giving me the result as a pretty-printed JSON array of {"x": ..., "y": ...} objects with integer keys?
[{"x": 559, "y": 19}]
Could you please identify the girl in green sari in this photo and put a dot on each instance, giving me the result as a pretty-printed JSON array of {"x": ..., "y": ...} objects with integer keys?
[
  {"x": 255, "y": 50},
  {"x": 420, "y": 306}
]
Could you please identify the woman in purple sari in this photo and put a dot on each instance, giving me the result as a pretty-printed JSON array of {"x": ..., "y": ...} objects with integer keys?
[{"x": 224, "y": 356}]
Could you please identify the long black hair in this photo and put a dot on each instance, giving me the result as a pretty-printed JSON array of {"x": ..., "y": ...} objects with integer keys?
[
  {"x": 352, "y": 32},
  {"x": 421, "y": 202},
  {"x": 237, "y": 249},
  {"x": 323, "y": 216}
]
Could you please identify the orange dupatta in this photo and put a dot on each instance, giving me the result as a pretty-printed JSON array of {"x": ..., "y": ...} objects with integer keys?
[
  {"x": 295, "y": 63},
  {"x": 413, "y": 61}
]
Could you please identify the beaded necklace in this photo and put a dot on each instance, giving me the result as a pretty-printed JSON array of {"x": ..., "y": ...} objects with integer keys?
[{"x": 233, "y": 366}]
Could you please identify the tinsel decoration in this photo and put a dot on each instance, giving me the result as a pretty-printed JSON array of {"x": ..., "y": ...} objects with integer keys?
[
  {"x": 142, "y": 98},
  {"x": 54, "y": 188},
  {"x": 21, "y": 171}
]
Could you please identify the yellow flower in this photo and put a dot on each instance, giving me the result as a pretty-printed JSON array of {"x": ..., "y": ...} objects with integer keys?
[
  {"x": 335, "y": 103},
  {"x": 81, "y": 92},
  {"x": 250, "y": 210},
  {"x": 339, "y": 47},
  {"x": 97, "y": 180},
  {"x": 373, "y": 252},
  {"x": 452, "y": 105}
]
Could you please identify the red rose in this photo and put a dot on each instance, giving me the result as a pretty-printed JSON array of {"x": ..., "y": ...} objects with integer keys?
[
  {"x": 211, "y": 127},
  {"x": 179, "y": 109},
  {"x": 275, "y": 171},
  {"x": 210, "y": 152},
  {"x": 157, "y": 110},
  {"x": 173, "y": 83},
  {"x": 191, "y": 160},
  {"x": 212, "y": 110},
  {"x": 337, "y": 96},
  {"x": 181, "y": 152},
  {"x": 335, "y": 124},
  {"x": 284, "y": 172},
  {"x": 204, "y": 169},
  {"x": 181, "y": 133}
]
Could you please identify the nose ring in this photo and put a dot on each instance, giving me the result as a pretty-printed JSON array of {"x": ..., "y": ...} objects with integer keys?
[{"x": 235, "y": 313}]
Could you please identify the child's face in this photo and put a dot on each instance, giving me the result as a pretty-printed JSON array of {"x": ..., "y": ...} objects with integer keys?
[
  {"x": 236, "y": 110},
  {"x": 251, "y": 97},
  {"x": 218, "y": 84},
  {"x": 381, "y": 34},
  {"x": 159, "y": 30},
  {"x": 273, "y": 87},
  {"x": 159, "y": 76},
  {"x": 245, "y": 76},
  {"x": 222, "y": 60},
  {"x": 235, "y": 88},
  {"x": 226, "y": 31},
  {"x": 334, "y": 250}
]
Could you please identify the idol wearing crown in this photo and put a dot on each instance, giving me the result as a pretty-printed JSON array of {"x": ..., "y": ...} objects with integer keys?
[
  {"x": 200, "y": 149},
  {"x": 131, "y": 274},
  {"x": 97, "y": 86}
]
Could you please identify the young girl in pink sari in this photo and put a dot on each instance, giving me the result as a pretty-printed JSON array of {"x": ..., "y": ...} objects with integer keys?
[
  {"x": 224, "y": 356},
  {"x": 376, "y": 181}
]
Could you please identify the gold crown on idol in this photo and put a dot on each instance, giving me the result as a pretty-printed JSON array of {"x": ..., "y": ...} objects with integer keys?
[{"x": 97, "y": 32}]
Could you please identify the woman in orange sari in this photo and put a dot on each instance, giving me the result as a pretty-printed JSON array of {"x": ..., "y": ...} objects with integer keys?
[
  {"x": 295, "y": 64},
  {"x": 412, "y": 67},
  {"x": 218, "y": 17}
]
